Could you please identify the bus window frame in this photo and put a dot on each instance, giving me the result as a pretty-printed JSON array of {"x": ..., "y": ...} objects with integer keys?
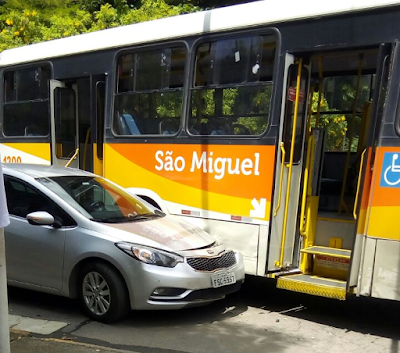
[
  {"x": 142, "y": 48},
  {"x": 389, "y": 128},
  {"x": 58, "y": 91},
  {"x": 397, "y": 124},
  {"x": 231, "y": 35},
  {"x": 100, "y": 137},
  {"x": 397, "y": 118},
  {"x": 23, "y": 66}
]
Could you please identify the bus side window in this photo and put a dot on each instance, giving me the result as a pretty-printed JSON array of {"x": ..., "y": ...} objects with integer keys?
[
  {"x": 149, "y": 95},
  {"x": 26, "y": 102},
  {"x": 232, "y": 86}
]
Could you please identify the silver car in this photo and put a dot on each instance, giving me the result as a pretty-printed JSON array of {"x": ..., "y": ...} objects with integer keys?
[{"x": 78, "y": 235}]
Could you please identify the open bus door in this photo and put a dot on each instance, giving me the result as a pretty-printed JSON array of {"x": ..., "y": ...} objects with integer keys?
[
  {"x": 321, "y": 196},
  {"x": 98, "y": 89},
  {"x": 77, "y": 122},
  {"x": 283, "y": 245},
  {"x": 64, "y": 125}
]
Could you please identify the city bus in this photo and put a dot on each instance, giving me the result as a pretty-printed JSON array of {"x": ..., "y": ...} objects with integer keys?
[{"x": 275, "y": 127}]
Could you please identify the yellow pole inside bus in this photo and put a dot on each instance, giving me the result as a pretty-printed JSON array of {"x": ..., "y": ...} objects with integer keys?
[
  {"x": 296, "y": 109},
  {"x": 353, "y": 125}
]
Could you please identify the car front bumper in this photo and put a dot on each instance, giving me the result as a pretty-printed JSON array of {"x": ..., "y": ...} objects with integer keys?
[{"x": 183, "y": 286}]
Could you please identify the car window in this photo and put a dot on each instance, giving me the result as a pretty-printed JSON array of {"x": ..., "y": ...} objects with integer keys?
[{"x": 23, "y": 199}]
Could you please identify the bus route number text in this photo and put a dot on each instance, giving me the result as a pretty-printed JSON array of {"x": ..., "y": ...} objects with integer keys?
[{"x": 12, "y": 159}]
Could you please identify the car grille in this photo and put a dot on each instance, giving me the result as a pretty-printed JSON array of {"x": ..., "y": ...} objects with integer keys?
[{"x": 212, "y": 263}]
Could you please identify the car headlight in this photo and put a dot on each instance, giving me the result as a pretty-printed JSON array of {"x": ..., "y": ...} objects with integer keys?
[{"x": 149, "y": 255}]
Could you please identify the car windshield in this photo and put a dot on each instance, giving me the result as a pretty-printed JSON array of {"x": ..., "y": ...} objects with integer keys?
[{"x": 99, "y": 199}]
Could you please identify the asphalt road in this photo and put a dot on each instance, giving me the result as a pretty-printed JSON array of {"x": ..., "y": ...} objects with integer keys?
[{"x": 259, "y": 318}]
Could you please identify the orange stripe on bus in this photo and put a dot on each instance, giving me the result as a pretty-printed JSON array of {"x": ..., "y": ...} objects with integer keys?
[{"x": 239, "y": 171}]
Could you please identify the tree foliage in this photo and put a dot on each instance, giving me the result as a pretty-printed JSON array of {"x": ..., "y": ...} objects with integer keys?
[
  {"x": 335, "y": 124},
  {"x": 24, "y": 22}
]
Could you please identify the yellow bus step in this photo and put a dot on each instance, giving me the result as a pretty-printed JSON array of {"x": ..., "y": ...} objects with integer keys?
[
  {"x": 314, "y": 285},
  {"x": 323, "y": 250}
]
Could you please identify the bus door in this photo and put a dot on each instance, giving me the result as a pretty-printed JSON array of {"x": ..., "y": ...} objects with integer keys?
[
  {"x": 283, "y": 246},
  {"x": 64, "y": 125},
  {"x": 77, "y": 119},
  {"x": 324, "y": 171},
  {"x": 98, "y": 89},
  {"x": 376, "y": 270}
]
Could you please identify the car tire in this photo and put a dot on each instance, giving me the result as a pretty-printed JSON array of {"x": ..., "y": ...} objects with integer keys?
[{"x": 103, "y": 293}]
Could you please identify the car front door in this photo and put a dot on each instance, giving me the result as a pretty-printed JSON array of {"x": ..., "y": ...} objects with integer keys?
[{"x": 34, "y": 254}]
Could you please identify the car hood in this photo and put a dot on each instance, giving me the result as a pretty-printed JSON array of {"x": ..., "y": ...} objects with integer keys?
[{"x": 165, "y": 233}]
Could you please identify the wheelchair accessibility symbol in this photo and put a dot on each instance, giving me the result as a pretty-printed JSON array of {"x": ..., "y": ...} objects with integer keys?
[{"x": 391, "y": 170}]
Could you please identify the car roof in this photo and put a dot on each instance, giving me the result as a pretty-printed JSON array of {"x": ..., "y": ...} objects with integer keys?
[{"x": 40, "y": 171}]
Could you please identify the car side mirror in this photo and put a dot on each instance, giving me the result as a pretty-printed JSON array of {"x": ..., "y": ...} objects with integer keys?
[{"x": 41, "y": 218}]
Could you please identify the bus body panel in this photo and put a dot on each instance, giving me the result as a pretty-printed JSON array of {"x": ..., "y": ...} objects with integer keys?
[
  {"x": 380, "y": 228},
  {"x": 384, "y": 205},
  {"x": 32, "y": 153}
]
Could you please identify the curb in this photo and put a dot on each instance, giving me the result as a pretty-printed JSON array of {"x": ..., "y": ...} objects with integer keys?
[{"x": 26, "y": 339}]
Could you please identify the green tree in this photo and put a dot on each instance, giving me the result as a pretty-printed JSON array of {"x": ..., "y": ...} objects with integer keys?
[
  {"x": 24, "y": 22},
  {"x": 335, "y": 124}
]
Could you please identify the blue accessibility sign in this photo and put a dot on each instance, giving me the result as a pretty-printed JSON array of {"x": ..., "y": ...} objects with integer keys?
[{"x": 390, "y": 176}]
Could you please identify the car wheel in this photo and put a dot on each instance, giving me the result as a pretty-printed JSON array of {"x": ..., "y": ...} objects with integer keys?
[{"x": 103, "y": 293}]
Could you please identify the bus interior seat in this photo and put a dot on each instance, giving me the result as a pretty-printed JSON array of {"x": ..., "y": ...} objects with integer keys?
[
  {"x": 128, "y": 125},
  {"x": 168, "y": 127},
  {"x": 199, "y": 129},
  {"x": 218, "y": 127},
  {"x": 32, "y": 131},
  {"x": 152, "y": 126}
]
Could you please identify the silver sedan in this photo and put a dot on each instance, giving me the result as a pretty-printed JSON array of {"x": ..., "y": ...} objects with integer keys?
[{"x": 78, "y": 235}]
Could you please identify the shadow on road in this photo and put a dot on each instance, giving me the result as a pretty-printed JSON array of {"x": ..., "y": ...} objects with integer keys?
[
  {"x": 224, "y": 324},
  {"x": 360, "y": 314},
  {"x": 365, "y": 315}
]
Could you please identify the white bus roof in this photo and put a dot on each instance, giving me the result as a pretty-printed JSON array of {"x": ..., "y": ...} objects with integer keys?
[{"x": 239, "y": 16}]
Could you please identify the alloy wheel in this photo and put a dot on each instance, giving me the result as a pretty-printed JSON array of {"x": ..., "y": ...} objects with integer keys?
[{"x": 96, "y": 293}]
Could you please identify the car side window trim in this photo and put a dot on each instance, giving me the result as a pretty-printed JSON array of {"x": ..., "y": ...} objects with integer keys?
[{"x": 19, "y": 205}]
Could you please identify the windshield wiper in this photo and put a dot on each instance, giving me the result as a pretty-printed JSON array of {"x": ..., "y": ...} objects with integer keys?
[
  {"x": 150, "y": 215},
  {"x": 109, "y": 219},
  {"x": 133, "y": 218},
  {"x": 139, "y": 217}
]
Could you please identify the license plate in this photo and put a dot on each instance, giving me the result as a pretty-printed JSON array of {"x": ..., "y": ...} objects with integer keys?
[{"x": 223, "y": 279}]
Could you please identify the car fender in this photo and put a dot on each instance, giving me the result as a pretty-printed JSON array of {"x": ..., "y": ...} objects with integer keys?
[{"x": 81, "y": 252}]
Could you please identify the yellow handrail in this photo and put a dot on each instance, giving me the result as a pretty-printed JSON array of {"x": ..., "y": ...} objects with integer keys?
[
  {"x": 310, "y": 148},
  {"x": 353, "y": 125},
  {"x": 72, "y": 158},
  {"x": 358, "y": 184},
  {"x": 281, "y": 179},
  {"x": 296, "y": 109}
]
